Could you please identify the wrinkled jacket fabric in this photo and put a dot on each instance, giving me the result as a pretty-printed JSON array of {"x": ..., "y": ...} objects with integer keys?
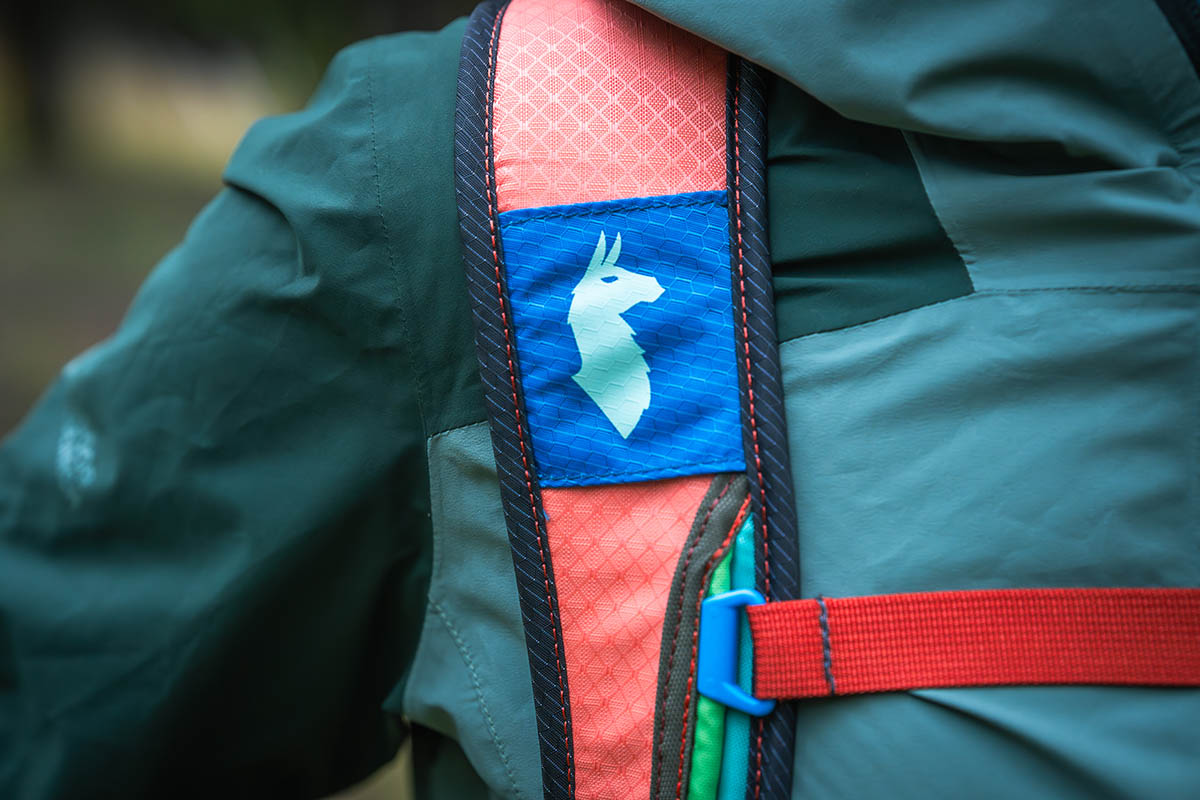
[{"x": 255, "y": 537}]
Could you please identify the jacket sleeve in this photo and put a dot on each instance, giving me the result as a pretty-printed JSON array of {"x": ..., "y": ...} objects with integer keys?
[{"x": 214, "y": 534}]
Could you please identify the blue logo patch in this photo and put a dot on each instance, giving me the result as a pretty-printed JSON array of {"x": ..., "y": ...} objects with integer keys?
[{"x": 623, "y": 315}]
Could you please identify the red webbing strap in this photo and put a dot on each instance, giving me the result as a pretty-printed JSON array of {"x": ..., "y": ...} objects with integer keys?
[{"x": 881, "y": 643}]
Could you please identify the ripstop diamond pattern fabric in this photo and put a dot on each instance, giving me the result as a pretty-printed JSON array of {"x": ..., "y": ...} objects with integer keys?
[
  {"x": 614, "y": 550},
  {"x": 598, "y": 100},
  {"x": 608, "y": 148}
]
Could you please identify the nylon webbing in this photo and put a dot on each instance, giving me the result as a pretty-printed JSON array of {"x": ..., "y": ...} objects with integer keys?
[{"x": 852, "y": 645}]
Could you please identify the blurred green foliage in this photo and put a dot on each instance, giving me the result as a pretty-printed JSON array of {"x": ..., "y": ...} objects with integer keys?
[
  {"x": 74, "y": 245},
  {"x": 115, "y": 120}
]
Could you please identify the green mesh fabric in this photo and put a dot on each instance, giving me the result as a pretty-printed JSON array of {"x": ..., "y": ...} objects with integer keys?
[
  {"x": 735, "y": 756},
  {"x": 710, "y": 717}
]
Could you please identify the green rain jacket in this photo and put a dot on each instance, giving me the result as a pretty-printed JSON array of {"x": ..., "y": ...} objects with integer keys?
[{"x": 255, "y": 539}]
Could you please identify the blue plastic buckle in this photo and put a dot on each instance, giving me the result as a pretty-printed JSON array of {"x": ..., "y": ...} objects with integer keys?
[{"x": 716, "y": 674}]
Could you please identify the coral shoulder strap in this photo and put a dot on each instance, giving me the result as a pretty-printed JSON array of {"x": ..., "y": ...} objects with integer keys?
[{"x": 610, "y": 179}]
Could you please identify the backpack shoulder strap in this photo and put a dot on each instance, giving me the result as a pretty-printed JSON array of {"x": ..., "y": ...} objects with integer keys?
[
  {"x": 611, "y": 191},
  {"x": 610, "y": 179}
]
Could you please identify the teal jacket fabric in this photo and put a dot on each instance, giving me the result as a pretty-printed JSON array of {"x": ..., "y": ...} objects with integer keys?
[{"x": 253, "y": 540}]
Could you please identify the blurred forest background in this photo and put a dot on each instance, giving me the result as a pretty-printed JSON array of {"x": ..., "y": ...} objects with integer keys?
[{"x": 115, "y": 121}]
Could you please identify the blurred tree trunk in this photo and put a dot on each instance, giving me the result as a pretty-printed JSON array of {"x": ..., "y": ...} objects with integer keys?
[{"x": 33, "y": 33}]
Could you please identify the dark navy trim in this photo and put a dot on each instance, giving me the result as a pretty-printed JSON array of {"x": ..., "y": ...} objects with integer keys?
[
  {"x": 500, "y": 372},
  {"x": 520, "y": 216},
  {"x": 764, "y": 428},
  {"x": 1184, "y": 17}
]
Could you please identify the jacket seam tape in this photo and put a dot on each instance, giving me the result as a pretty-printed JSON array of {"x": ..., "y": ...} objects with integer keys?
[
  {"x": 477, "y": 686},
  {"x": 979, "y": 294},
  {"x": 422, "y": 391}
]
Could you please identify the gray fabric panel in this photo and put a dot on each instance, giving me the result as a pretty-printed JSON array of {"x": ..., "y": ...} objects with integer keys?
[
  {"x": 1046, "y": 438},
  {"x": 470, "y": 680},
  {"x": 1004, "y": 439},
  {"x": 714, "y": 519}
]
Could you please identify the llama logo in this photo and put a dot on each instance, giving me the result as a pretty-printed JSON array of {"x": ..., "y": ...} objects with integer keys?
[{"x": 613, "y": 370}]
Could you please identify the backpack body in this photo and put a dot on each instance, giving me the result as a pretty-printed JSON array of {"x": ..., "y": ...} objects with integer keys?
[{"x": 611, "y": 188}]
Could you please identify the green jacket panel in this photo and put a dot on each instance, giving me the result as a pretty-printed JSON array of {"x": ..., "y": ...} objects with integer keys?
[
  {"x": 215, "y": 541},
  {"x": 214, "y": 528},
  {"x": 1000, "y": 440}
]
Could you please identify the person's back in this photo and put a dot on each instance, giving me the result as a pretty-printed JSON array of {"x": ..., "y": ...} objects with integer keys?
[{"x": 252, "y": 538}]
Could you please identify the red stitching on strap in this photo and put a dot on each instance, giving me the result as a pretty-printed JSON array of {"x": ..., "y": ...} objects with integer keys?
[
  {"x": 762, "y": 487},
  {"x": 691, "y": 682},
  {"x": 758, "y": 750},
  {"x": 512, "y": 379},
  {"x": 737, "y": 215},
  {"x": 662, "y": 723},
  {"x": 881, "y": 643}
]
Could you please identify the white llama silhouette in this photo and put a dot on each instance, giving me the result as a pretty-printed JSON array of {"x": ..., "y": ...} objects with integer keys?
[{"x": 613, "y": 370}]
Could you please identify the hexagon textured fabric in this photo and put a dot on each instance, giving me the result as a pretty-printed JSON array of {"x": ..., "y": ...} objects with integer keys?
[
  {"x": 614, "y": 550},
  {"x": 624, "y": 329},
  {"x": 598, "y": 101}
]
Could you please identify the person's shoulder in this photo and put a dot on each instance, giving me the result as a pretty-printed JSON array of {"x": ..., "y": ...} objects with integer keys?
[
  {"x": 390, "y": 96},
  {"x": 398, "y": 54},
  {"x": 364, "y": 177}
]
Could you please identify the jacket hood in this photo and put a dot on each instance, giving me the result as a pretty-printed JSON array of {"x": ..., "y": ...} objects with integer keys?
[
  {"x": 1104, "y": 80},
  {"x": 1058, "y": 142}
]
